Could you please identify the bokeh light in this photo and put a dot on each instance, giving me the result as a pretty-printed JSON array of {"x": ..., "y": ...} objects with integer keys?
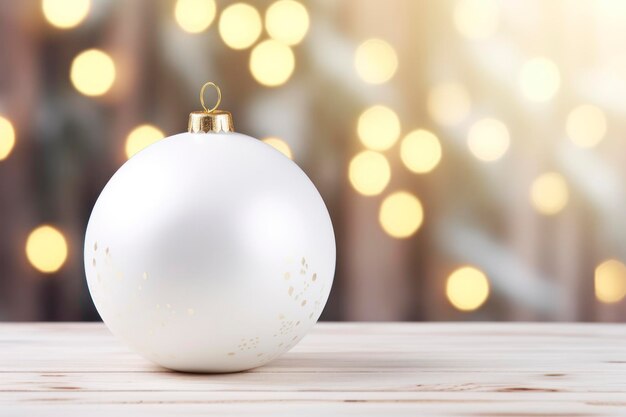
[
  {"x": 378, "y": 128},
  {"x": 287, "y": 21},
  {"x": 420, "y": 151},
  {"x": 279, "y": 145},
  {"x": 46, "y": 249},
  {"x": 549, "y": 193},
  {"x": 240, "y": 25},
  {"x": 467, "y": 288},
  {"x": 539, "y": 79},
  {"x": 194, "y": 16},
  {"x": 401, "y": 214},
  {"x": 488, "y": 139},
  {"x": 586, "y": 126},
  {"x": 92, "y": 72},
  {"x": 65, "y": 14},
  {"x": 369, "y": 172},
  {"x": 7, "y": 138},
  {"x": 610, "y": 281},
  {"x": 476, "y": 19},
  {"x": 375, "y": 61},
  {"x": 141, "y": 137},
  {"x": 272, "y": 63},
  {"x": 448, "y": 103}
]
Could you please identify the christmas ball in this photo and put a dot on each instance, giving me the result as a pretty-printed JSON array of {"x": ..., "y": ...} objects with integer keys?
[{"x": 210, "y": 251}]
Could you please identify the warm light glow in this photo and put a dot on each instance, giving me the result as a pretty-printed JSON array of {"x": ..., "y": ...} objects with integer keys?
[
  {"x": 448, "y": 104},
  {"x": 141, "y": 137},
  {"x": 488, "y": 139},
  {"x": 467, "y": 288},
  {"x": 420, "y": 151},
  {"x": 610, "y": 281},
  {"x": 46, "y": 249},
  {"x": 586, "y": 126},
  {"x": 378, "y": 128},
  {"x": 65, "y": 14},
  {"x": 287, "y": 21},
  {"x": 240, "y": 25},
  {"x": 476, "y": 19},
  {"x": 369, "y": 172},
  {"x": 92, "y": 72},
  {"x": 7, "y": 138},
  {"x": 272, "y": 63},
  {"x": 549, "y": 193},
  {"x": 401, "y": 214},
  {"x": 194, "y": 16},
  {"x": 279, "y": 145},
  {"x": 539, "y": 79},
  {"x": 375, "y": 61}
]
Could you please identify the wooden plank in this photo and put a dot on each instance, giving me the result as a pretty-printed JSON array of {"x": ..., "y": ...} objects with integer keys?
[{"x": 340, "y": 368}]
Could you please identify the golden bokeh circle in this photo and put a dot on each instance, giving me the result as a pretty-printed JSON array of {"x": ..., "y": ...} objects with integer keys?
[
  {"x": 610, "y": 281},
  {"x": 549, "y": 193},
  {"x": 586, "y": 126},
  {"x": 272, "y": 63},
  {"x": 488, "y": 139},
  {"x": 369, "y": 172},
  {"x": 65, "y": 14},
  {"x": 401, "y": 214},
  {"x": 194, "y": 16},
  {"x": 240, "y": 25},
  {"x": 141, "y": 137},
  {"x": 46, "y": 249},
  {"x": 92, "y": 72},
  {"x": 467, "y": 288},
  {"x": 7, "y": 138},
  {"x": 375, "y": 61},
  {"x": 287, "y": 21},
  {"x": 420, "y": 151},
  {"x": 539, "y": 79},
  {"x": 448, "y": 103},
  {"x": 378, "y": 128},
  {"x": 476, "y": 19},
  {"x": 280, "y": 145}
]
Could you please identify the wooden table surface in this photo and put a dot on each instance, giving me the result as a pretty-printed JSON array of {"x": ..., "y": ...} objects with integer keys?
[{"x": 429, "y": 369}]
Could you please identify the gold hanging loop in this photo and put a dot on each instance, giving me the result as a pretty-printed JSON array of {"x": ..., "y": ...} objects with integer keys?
[
  {"x": 219, "y": 96},
  {"x": 210, "y": 120}
]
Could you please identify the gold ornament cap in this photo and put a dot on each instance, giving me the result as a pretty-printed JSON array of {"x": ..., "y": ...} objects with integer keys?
[{"x": 210, "y": 120}]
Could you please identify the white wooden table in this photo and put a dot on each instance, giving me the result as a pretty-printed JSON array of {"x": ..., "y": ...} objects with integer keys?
[{"x": 387, "y": 369}]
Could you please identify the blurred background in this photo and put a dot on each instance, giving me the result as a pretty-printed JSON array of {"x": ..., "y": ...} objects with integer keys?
[{"x": 471, "y": 152}]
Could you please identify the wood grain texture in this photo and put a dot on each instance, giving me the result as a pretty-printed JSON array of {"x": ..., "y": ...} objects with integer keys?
[{"x": 433, "y": 369}]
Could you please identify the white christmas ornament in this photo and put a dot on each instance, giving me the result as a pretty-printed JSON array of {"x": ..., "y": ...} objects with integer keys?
[{"x": 210, "y": 251}]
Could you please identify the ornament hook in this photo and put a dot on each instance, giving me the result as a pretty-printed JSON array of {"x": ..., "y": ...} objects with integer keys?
[{"x": 219, "y": 96}]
